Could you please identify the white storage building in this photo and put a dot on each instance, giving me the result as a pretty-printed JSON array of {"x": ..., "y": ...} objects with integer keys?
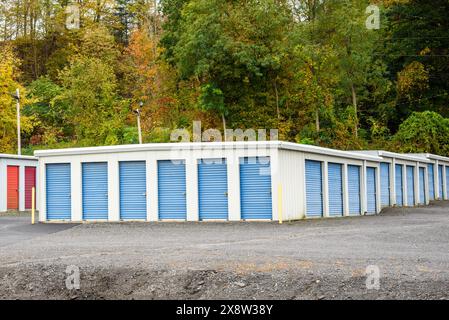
[
  {"x": 18, "y": 175},
  {"x": 438, "y": 175},
  {"x": 404, "y": 179},
  {"x": 229, "y": 181},
  {"x": 206, "y": 181}
]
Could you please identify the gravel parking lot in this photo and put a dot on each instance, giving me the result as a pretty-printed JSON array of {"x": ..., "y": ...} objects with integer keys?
[{"x": 313, "y": 259}]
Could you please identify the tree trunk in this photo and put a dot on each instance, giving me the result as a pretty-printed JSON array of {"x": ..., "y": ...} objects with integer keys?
[
  {"x": 277, "y": 100},
  {"x": 317, "y": 120},
  {"x": 354, "y": 102},
  {"x": 98, "y": 11},
  {"x": 18, "y": 23},
  {"x": 5, "y": 37},
  {"x": 223, "y": 119},
  {"x": 25, "y": 16}
]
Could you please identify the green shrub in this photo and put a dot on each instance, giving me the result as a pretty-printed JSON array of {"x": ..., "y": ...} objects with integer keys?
[{"x": 423, "y": 132}]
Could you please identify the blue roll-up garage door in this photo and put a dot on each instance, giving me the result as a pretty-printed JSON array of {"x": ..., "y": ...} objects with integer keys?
[
  {"x": 410, "y": 186},
  {"x": 399, "y": 186},
  {"x": 133, "y": 189},
  {"x": 314, "y": 188},
  {"x": 335, "y": 180},
  {"x": 95, "y": 191},
  {"x": 255, "y": 188},
  {"x": 213, "y": 189},
  {"x": 371, "y": 190},
  {"x": 58, "y": 186},
  {"x": 441, "y": 182},
  {"x": 422, "y": 186},
  {"x": 431, "y": 175},
  {"x": 354, "y": 190},
  {"x": 447, "y": 182},
  {"x": 172, "y": 190},
  {"x": 385, "y": 184}
]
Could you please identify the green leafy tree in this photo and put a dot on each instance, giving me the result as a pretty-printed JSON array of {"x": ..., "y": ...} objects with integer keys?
[
  {"x": 416, "y": 51},
  {"x": 55, "y": 125},
  {"x": 360, "y": 72},
  {"x": 172, "y": 11},
  {"x": 236, "y": 46},
  {"x": 212, "y": 99},
  {"x": 90, "y": 92},
  {"x": 313, "y": 87},
  {"x": 423, "y": 132},
  {"x": 308, "y": 68}
]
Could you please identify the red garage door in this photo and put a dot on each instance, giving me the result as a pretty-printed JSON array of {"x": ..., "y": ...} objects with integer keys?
[
  {"x": 30, "y": 183},
  {"x": 13, "y": 188}
]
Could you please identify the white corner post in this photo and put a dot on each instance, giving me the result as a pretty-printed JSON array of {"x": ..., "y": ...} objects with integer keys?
[
  {"x": 393, "y": 183},
  {"x": 378, "y": 191},
  {"x": 76, "y": 186},
  {"x": 404, "y": 186},
  {"x": 42, "y": 192},
  {"x": 192, "y": 188},
  {"x": 152, "y": 188},
  {"x": 345, "y": 191},
  {"x": 416, "y": 184},
  {"x": 426, "y": 183},
  {"x": 21, "y": 187},
  {"x": 232, "y": 162},
  {"x": 364, "y": 197},
  {"x": 114, "y": 190},
  {"x": 326, "y": 189},
  {"x": 445, "y": 192}
]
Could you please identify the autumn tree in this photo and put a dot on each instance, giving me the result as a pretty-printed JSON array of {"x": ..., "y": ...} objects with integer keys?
[
  {"x": 311, "y": 69},
  {"x": 8, "y": 85},
  {"x": 149, "y": 80}
]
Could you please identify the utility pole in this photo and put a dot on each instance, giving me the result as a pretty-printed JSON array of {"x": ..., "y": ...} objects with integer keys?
[
  {"x": 17, "y": 97},
  {"x": 137, "y": 112}
]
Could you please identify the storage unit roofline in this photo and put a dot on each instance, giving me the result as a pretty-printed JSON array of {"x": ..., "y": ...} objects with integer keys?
[
  {"x": 250, "y": 145},
  {"x": 400, "y": 156},
  {"x": 14, "y": 156},
  {"x": 431, "y": 156},
  {"x": 327, "y": 151},
  {"x": 158, "y": 147}
]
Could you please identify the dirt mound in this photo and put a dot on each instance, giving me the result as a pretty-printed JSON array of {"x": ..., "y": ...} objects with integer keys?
[{"x": 49, "y": 282}]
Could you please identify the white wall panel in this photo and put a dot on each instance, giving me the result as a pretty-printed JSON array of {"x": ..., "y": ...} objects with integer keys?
[{"x": 292, "y": 183}]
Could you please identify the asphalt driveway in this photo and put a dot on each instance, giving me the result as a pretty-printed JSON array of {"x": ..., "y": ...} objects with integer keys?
[{"x": 15, "y": 229}]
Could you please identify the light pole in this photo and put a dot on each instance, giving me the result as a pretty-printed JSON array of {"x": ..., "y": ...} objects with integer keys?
[
  {"x": 17, "y": 97},
  {"x": 137, "y": 112}
]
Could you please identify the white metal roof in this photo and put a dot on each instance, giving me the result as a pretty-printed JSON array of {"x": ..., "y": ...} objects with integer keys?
[
  {"x": 17, "y": 157},
  {"x": 205, "y": 146},
  {"x": 327, "y": 151},
  {"x": 431, "y": 156},
  {"x": 155, "y": 147},
  {"x": 389, "y": 154}
]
